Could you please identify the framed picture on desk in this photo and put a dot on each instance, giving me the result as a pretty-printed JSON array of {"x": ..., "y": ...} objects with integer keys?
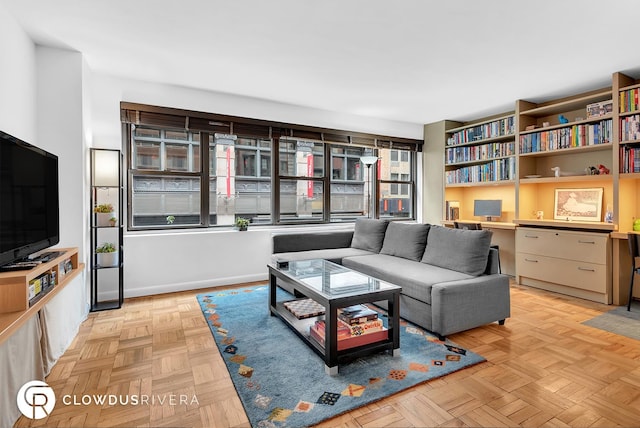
[{"x": 578, "y": 204}]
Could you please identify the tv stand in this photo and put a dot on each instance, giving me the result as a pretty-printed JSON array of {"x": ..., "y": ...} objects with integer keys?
[{"x": 15, "y": 279}]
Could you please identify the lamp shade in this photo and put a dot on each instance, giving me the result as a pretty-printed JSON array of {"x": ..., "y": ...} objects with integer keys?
[
  {"x": 369, "y": 160},
  {"x": 105, "y": 168}
]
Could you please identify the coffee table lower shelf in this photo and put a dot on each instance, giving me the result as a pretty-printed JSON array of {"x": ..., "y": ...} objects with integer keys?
[{"x": 302, "y": 328}]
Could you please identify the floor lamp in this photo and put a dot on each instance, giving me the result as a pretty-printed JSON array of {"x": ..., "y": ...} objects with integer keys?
[{"x": 368, "y": 161}]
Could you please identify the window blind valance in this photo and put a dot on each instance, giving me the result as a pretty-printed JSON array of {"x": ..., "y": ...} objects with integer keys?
[{"x": 147, "y": 115}]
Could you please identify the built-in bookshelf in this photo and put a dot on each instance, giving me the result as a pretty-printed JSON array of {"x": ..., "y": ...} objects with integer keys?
[
  {"x": 585, "y": 140},
  {"x": 481, "y": 152},
  {"x": 629, "y": 129},
  {"x": 570, "y": 134},
  {"x": 627, "y": 107}
]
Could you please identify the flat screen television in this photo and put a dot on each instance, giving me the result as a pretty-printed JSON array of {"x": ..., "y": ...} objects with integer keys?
[
  {"x": 487, "y": 208},
  {"x": 29, "y": 205}
]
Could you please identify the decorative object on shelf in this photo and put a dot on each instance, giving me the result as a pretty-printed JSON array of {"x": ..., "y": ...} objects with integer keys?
[
  {"x": 563, "y": 119},
  {"x": 107, "y": 255},
  {"x": 599, "y": 109},
  {"x": 113, "y": 221},
  {"x": 242, "y": 224},
  {"x": 539, "y": 215},
  {"x": 559, "y": 173},
  {"x": 530, "y": 127},
  {"x": 578, "y": 204},
  {"x": 608, "y": 214},
  {"x": 636, "y": 225},
  {"x": 600, "y": 170},
  {"x": 170, "y": 219},
  {"x": 545, "y": 124},
  {"x": 104, "y": 213}
]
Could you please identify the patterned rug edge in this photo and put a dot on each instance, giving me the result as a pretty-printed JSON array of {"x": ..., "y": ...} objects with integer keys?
[{"x": 367, "y": 402}]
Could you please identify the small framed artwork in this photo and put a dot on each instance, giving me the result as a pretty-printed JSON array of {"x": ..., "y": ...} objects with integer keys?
[{"x": 578, "y": 204}]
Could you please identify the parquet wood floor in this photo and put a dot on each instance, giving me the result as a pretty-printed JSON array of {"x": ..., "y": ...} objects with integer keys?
[{"x": 544, "y": 369}]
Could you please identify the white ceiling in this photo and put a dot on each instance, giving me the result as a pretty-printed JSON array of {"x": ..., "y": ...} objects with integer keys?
[{"x": 416, "y": 61}]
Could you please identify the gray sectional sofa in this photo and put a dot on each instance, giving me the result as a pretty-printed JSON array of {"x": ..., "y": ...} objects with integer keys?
[{"x": 449, "y": 277}]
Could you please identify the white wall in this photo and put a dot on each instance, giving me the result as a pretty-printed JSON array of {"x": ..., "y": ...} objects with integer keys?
[
  {"x": 17, "y": 80},
  {"x": 161, "y": 262},
  {"x": 60, "y": 131}
]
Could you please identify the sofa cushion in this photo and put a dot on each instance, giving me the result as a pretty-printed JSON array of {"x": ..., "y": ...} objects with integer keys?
[
  {"x": 416, "y": 279},
  {"x": 332, "y": 254},
  {"x": 405, "y": 240},
  {"x": 368, "y": 234},
  {"x": 465, "y": 251},
  {"x": 304, "y": 241}
]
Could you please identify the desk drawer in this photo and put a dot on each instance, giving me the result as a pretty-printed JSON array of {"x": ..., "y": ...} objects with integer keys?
[
  {"x": 585, "y": 276},
  {"x": 568, "y": 245}
]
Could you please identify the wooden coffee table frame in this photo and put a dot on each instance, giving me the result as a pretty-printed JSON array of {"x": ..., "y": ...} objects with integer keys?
[{"x": 329, "y": 352}]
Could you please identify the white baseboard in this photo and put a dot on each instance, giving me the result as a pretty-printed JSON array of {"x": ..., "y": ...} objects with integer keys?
[{"x": 184, "y": 286}]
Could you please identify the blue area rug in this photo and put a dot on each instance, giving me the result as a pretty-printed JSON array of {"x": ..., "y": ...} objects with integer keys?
[{"x": 282, "y": 382}]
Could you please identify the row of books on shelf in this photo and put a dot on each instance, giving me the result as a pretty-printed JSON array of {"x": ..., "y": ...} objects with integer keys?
[
  {"x": 41, "y": 285},
  {"x": 629, "y": 159},
  {"x": 563, "y": 138},
  {"x": 497, "y": 128},
  {"x": 629, "y": 100},
  {"x": 496, "y": 170},
  {"x": 630, "y": 128},
  {"x": 482, "y": 152}
]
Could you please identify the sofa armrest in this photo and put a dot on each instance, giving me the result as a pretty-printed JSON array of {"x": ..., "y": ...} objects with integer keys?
[
  {"x": 305, "y": 241},
  {"x": 465, "y": 304}
]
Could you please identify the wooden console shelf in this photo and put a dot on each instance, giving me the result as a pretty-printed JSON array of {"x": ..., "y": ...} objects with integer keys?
[{"x": 14, "y": 290}]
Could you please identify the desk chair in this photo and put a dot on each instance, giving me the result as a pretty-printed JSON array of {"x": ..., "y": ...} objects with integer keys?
[
  {"x": 476, "y": 226},
  {"x": 633, "y": 252},
  {"x": 468, "y": 226}
]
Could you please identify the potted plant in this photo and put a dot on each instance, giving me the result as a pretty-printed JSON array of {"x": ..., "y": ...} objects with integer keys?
[
  {"x": 242, "y": 223},
  {"x": 113, "y": 221},
  {"x": 170, "y": 219},
  {"x": 104, "y": 212},
  {"x": 107, "y": 255}
]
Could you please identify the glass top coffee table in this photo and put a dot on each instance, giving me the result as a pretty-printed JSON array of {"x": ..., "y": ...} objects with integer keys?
[{"x": 333, "y": 287}]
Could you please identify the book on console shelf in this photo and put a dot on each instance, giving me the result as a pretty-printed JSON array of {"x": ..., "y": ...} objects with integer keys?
[
  {"x": 346, "y": 342},
  {"x": 345, "y": 330},
  {"x": 357, "y": 314}
]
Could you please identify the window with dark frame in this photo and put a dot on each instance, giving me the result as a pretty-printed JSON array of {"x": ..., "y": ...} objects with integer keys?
[{"x": 316, "y": 179}]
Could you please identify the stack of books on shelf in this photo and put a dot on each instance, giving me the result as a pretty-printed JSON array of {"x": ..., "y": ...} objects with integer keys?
[
  {"x": 357, "y": 325},
  {"x": 564, "y": 138},
  {"x": 630, "y": 128},
  {"x": 452, "y": 210},
  {"x": 497, "y": 128},
  {"x": 478, "y": 153},
  {"x": 496, "y": 170},
  {"x": 629, "y": 159},
  {"x": 629, "y": 100}
]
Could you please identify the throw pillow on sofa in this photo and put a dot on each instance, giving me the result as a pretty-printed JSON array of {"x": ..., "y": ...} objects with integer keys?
[
  {"x": 461, "y": 250},
  {"x": 368, "y": 234},
  {"x": 405, "y": 240}
]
